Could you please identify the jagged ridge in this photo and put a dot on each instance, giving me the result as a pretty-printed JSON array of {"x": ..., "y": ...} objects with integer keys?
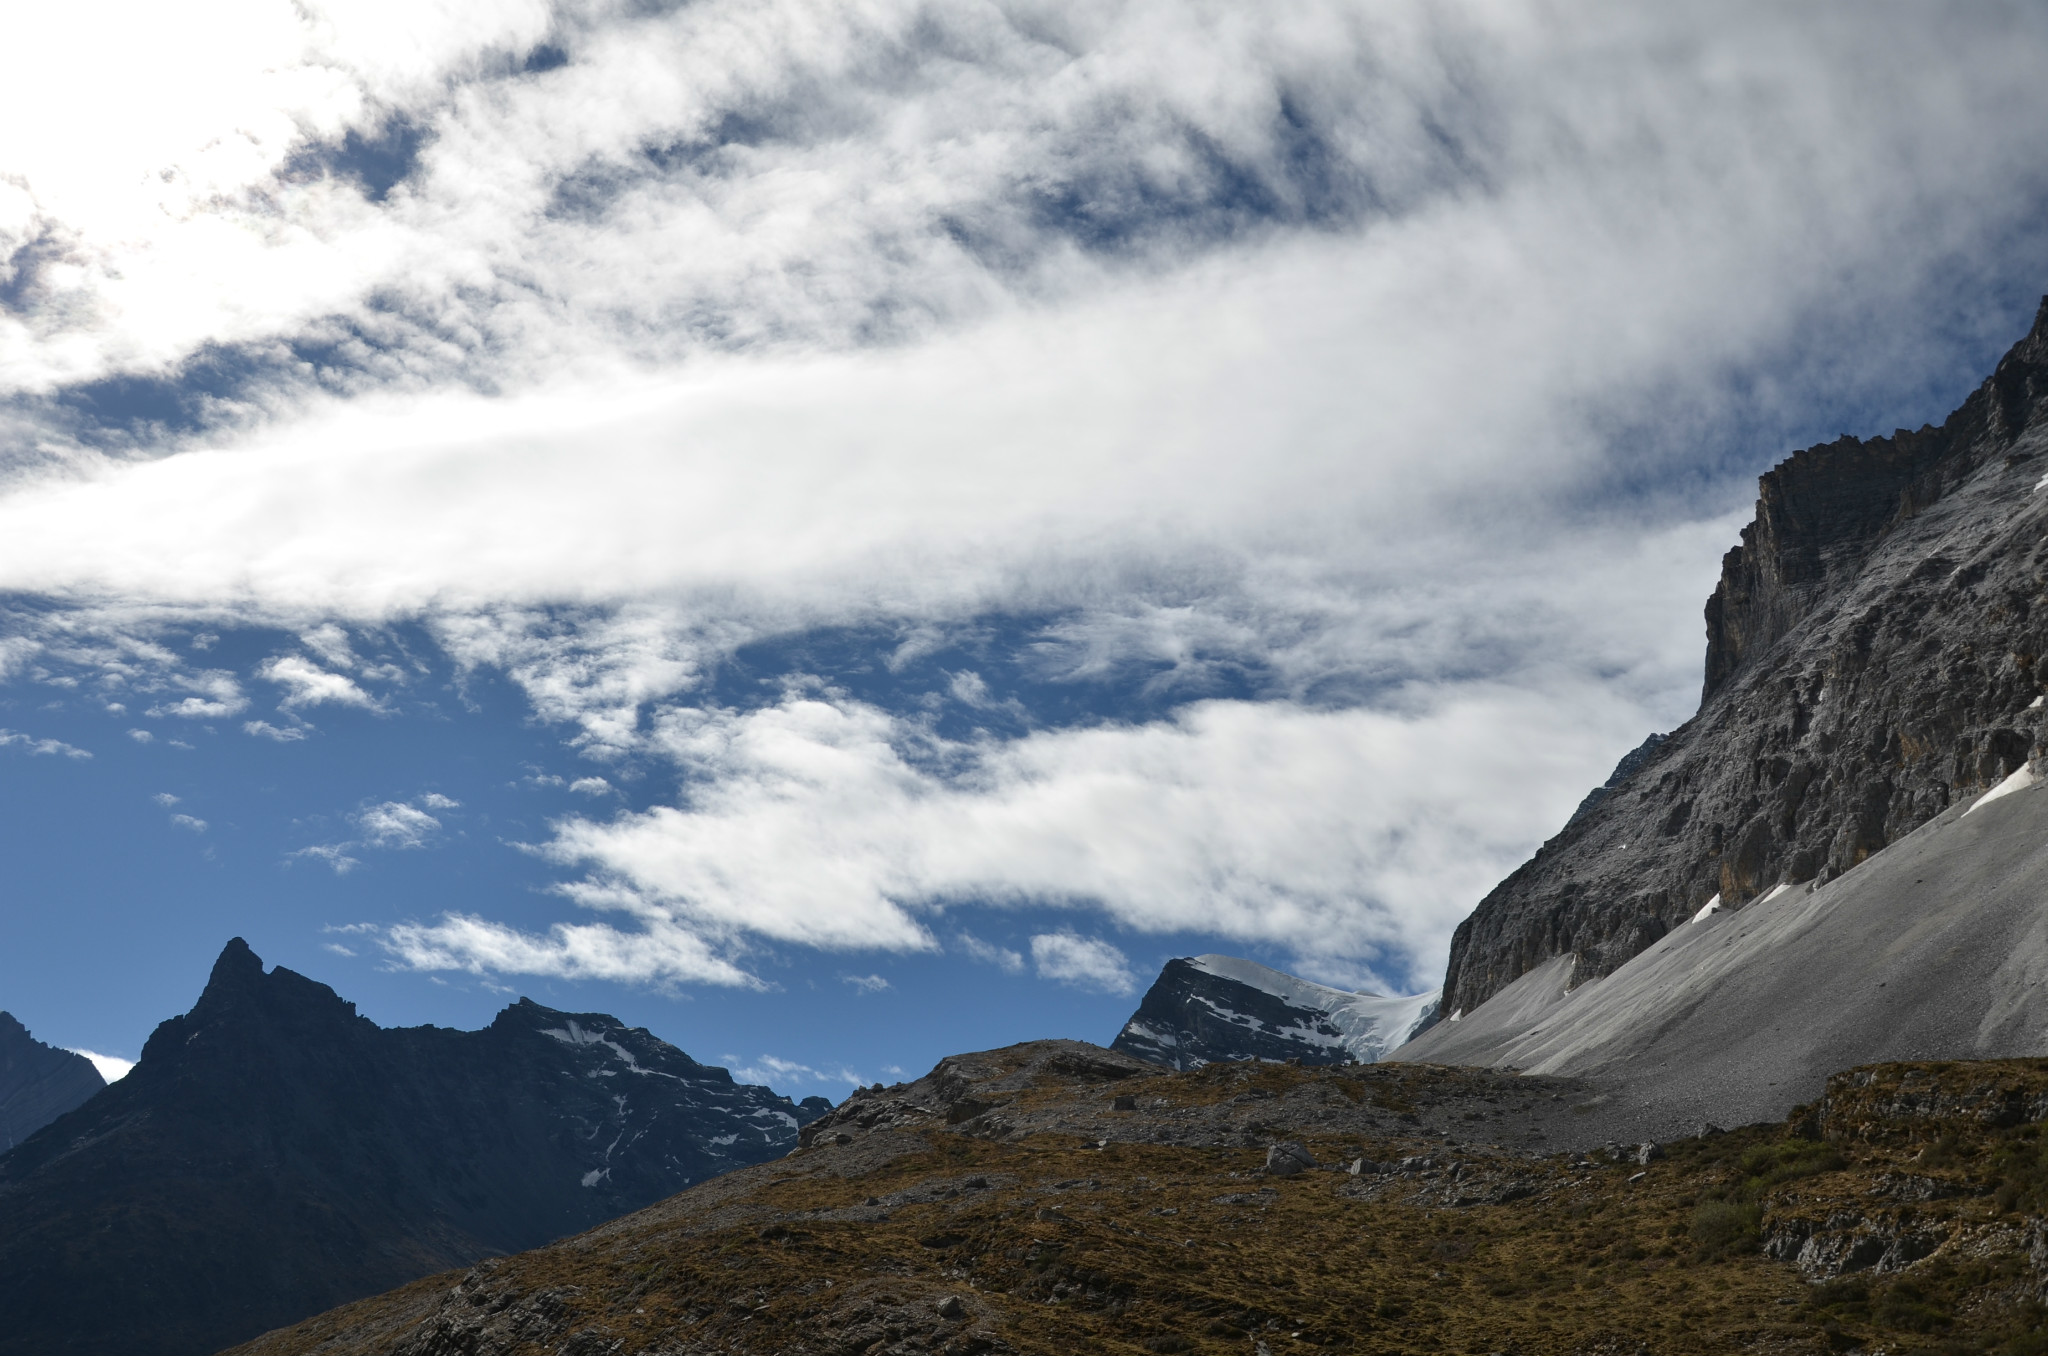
[{"x": 273, "y": 1153}]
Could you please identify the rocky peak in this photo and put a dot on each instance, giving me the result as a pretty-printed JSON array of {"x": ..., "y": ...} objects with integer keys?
[
  {"x": 274, "y": 1153},
  {"x": 1872, "y": 657}
]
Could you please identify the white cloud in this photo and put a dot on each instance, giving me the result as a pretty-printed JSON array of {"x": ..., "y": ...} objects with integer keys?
[
  {"x": 334, "y": 855},
  {"x": 41, "y": 747},
  {"x": 1347, "y": 443},
  {"x": 662, "y": 953},
  {"x": 308, "y": 684},
  {"x": 142, "y": 736},
  {"x": 1002, "y": 957},
  {"x": 395, "y": 824},
  {"x": 866, "y": 983},
  {"x": 771, "y": 1070},
  {"x": 1356, "y": 833},
  {"x": 434, "y": 800},
  {"x": 165, "y": 799},
  {"x": 263, "y": 729},
  {"x": 591, "y": 786},
  {"x": 112, "y": 1067},
  {"x": 219, "y": 696},
  {"x": 189, "y": 822},
  {"x": 1085, "y": 962}
]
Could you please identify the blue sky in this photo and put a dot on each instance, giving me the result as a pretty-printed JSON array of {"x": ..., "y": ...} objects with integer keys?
[{"x": 844, "y": 534}]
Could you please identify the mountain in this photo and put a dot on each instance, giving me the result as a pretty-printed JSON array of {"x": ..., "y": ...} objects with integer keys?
[
  {"x": 1055, "y": 1197},
  {"x": 1873, "y": 660},
  {"x": 1207, "y": 1008},
  {"x": 38, "y": 1082},
  {"x": 273, "y": 1154}
]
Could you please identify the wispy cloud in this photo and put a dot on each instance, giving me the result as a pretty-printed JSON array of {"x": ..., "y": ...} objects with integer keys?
[
  {"x": 1002, "y": 957},
  {"x": 40, "y": 747},
  {"x": 395, "y": 824},
  {"x": 191, "y": 822},
  {"x": 772, "y": 1071},
  {"x": 866, "y": 983},
  {"x": 1084, "y": 962}
]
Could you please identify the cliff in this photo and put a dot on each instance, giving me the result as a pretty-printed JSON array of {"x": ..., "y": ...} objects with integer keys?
[{"x": 1872, "y": 658}]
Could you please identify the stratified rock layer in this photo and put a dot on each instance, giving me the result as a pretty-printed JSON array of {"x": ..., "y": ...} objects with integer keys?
[
  {"x": 38, "y": 1082},
  {"x": 1872, "y": 658},
  {"x": 274, "y": 1154}
]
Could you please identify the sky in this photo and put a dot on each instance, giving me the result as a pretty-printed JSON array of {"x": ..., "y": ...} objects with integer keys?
[{"x": 849, "y": 532}]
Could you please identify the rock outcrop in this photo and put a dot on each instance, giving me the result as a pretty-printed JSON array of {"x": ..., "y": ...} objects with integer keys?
[
  {"x": 1207, "y": 1008},
  {"x": 1873, "y": 657},
  {"x": 38, "y": 1082},
  {"x": 273, "y": 1154}
]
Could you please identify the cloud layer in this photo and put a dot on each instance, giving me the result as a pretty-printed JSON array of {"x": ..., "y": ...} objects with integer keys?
[{"x": 1355, "y": 400}]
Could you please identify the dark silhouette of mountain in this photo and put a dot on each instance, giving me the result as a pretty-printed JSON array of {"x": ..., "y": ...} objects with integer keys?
[
  {"x": 273, "y": 1154},
  {"x": 38, "y": 1082},
  {"x": 1203, "y": 1009},
  {"x": 1873, "y": 659}
]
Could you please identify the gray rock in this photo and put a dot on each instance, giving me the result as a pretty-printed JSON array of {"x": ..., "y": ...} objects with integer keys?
[
  {"x": 1872, "y": 660},
  {"x": 1287, "y": 1158},
  {"x": 1647, "y": 1154},
  {"x": 951, "y": 1307}
]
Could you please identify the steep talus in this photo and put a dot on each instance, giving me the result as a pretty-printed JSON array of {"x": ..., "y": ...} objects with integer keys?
[
  {"x": 273, "y": 1154},
  {"x": 1055, "y": 1198},
  {"x": 1873, "y": 659},
  {"x": 38, "y": 1082},
  {"x": 1935, "y": 948}
]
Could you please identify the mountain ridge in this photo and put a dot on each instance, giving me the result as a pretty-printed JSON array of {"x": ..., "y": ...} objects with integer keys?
[
  {"x": 274, "y": 1152},
  {"x": 38, "y": 1082}
]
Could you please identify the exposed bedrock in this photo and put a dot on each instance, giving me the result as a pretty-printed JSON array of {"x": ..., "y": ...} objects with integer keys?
[{"x": 1872, "y": 657}]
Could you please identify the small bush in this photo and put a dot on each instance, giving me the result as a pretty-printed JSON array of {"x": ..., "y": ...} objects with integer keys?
[{"x": 1723, "y": 1227}]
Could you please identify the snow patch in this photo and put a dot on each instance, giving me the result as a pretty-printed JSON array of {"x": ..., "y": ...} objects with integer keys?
[
  {"x": 2018, "y": 781},
  {"x": 1782, "y": 887},
  {"x": 1711, "y": 906},
  {"x": 595, "y": 1175}
]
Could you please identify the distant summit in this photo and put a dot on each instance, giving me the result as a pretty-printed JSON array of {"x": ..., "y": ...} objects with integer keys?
[
  {"x": 1204, "y": 1009},
  {"x": 273, "y": 1154},
  {"x": 38, "y": 1082}
]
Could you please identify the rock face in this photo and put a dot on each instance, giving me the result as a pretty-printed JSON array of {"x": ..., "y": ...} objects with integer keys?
[
  {"x": 1207, "y": 1008},
  {"x": 274, "y": 1154},
  {"x": 38, "y": 1082},
  {"x": 1873, "y": 657}
]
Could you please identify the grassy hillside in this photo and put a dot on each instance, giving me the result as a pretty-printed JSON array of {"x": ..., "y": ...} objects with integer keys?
[{"x": 1006, "y": 1204}]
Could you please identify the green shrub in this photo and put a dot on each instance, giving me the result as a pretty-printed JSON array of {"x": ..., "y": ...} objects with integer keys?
[{"x": 1723, "y": 1227}]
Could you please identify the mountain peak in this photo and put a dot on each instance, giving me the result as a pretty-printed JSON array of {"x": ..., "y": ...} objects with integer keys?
[{"x": 236, "y": 967}]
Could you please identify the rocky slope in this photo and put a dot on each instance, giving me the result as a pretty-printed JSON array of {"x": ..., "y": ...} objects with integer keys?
[
  {"x": 38, "y": 1082},
  {"x": 1057, "y": 1198},
  {"x": 1207, "y": 1008},
  {"x": 1937, "y": 947},
  {"x": 1873, "y": 658},
  {"x": 273, "y": 1154}
]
